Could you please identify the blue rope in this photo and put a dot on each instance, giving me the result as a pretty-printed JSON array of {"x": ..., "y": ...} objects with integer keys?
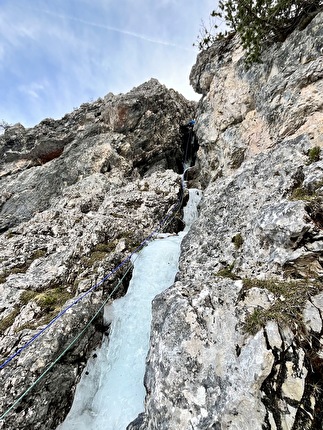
[
  {"x": 76, "y": 338},
  {"x": 94, "y": 287}
]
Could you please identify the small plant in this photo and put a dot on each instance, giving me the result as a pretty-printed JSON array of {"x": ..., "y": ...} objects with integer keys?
[
  {"x": 116, "y": 215},
  {"x": 49, "y": 301},
  {"x": 105, "y": 247},
  {"x": 3, "y": 277},
  {"x": 314, "y": 154},
  {"x": 94, "y": 257},
  {"x": 52, "y": 300},
  {"x": 27, "y": 296},
  {"x": 7, "y": 321},
  {"x": 10, "y": 234},
  {"x": 255, "y": 321},
  {"x": 130, "y": 239},
  {"x": 4, "y": 125},
  {"x": 301, "y": 193},
  {"x": 237, "y": 240},
  {"x": 287, "y": 308},
  {"x": 226, "y": 272},
  {"x": 145, "y": 186},
  {"x": 99, "y": 253},
  {"x": 317, "y": 388},
  {"x": 308, "y": 194}
]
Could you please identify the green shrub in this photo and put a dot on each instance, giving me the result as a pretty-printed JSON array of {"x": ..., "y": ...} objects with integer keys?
[
  {"x": 259, "y": 22},
  {"x": 48, "y": 300},
  {"x": 301, "y": 193},
  {"x": 314, "y": 154},
  {"x": 237, "y": 240},
  {"x": 27, "y": 296}
]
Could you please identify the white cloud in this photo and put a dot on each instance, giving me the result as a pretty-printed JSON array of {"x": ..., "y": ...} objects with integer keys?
[
  {"x": 33, "y": 89},
  {"x": 114, "y": 29},
  {"x": 13, "y": 31}
]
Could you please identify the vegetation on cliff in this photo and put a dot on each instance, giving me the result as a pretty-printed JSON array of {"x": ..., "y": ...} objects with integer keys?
[{"x": 260, "y": 22}]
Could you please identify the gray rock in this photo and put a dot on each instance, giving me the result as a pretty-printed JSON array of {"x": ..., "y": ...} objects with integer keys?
[
  {"x": 77, "y": 196},
  {"x": 70, "y": 213},
  {"x": 260, "y": 218}
]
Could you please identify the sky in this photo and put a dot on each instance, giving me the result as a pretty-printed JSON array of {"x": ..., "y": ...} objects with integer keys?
[{"x": 57, "y": 54}]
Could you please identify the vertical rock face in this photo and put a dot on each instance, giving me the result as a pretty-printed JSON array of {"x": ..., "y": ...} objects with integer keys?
[
  {"x": 237, "y": 341},
  {"x": 77, "y": 196},
  {"x": 245, "y": 112}
]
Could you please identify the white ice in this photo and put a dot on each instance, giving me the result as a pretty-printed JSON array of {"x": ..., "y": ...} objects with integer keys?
[{"x": 111, "y": 392}]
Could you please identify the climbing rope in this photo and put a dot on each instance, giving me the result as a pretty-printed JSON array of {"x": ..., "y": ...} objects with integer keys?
[
  {"x": 168, "y": 218},
  {"x": 161, "y": 224},
  {"x": 164, "y": 222},
  {"x": 76, "y": 338}
]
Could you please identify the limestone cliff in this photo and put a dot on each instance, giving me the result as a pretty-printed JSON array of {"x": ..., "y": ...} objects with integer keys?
[
  {"x": 77, "y": 196},
  {"x": 237, "y": 341}
]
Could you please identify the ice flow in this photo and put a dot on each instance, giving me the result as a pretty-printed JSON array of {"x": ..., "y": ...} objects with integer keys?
[{"x": 111, "y": 392}]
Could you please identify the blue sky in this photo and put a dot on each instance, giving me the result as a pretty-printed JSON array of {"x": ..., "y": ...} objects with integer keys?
[{"x": 57, "y": 54}]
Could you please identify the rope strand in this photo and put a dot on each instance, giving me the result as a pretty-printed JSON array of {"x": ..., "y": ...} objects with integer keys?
[
  {"x": 164, "y": 222},
  {"x": 94, "y": 287},
  {"x": 24, "y": 394}
]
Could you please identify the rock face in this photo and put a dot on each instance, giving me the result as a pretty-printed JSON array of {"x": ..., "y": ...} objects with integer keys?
[
  {"x": 237, "y": 341},
  {"x": 77, "y": 196}
]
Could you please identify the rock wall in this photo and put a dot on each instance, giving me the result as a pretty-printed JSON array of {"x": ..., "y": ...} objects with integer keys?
[
  {"x": 237, "y": 341},
  {"x": 77, "y": 196}
]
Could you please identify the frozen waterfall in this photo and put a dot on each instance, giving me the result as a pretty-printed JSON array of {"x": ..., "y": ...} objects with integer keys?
[{"x": 111, "y": 392}]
